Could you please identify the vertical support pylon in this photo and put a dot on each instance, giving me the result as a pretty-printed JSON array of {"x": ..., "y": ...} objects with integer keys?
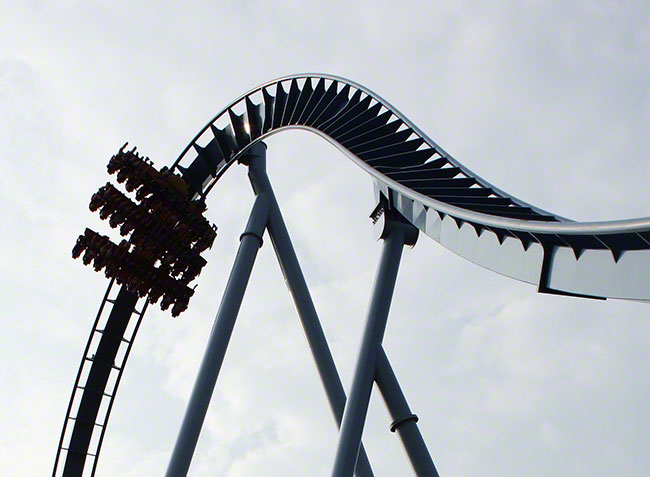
[
  {"x": 251, "y": 241},
  {"x": 396, "y": 233}
]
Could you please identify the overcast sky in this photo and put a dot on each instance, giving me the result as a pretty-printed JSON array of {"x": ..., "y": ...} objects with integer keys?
[{"x": 548, "y": 100}]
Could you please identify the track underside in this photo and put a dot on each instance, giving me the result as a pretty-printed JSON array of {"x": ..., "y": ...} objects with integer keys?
[{"x": 97, "y": 382}]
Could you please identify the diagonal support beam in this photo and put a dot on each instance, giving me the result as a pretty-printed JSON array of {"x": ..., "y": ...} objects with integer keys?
[
  {"x": 302, "y": 299},
  {"x": 404, "y": 421},
  {"x": 251, "y": 241},
  {"x": 354, "y": 417},
  {"x": 385, "y": 377}
]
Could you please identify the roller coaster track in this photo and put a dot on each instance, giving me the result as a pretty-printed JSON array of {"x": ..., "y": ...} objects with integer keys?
[{"x": 412, "y": 174}]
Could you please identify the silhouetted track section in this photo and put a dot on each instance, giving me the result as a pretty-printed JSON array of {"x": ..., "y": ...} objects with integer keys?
[{"x": 97, "y": 382}]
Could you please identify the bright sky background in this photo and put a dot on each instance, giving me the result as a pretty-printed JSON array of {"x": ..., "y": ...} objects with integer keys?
[{"x": 548, "y": 100}]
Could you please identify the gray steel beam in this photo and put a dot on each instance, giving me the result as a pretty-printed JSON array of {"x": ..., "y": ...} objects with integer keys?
[
  {"x": 404, "y": 421},
  {"x": 302, "y": 299},
  {"x": 357, "y": 406},
  {"x": 251, "y": 241}
]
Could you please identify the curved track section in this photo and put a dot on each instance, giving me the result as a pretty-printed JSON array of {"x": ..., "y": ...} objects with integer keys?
[
  {"x": 436, "y": 193},
  {"x": 440, "y": 196}
]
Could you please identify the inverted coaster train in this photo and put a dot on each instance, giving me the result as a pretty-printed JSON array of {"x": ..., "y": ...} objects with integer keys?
[{"x": 419, "y": 187}]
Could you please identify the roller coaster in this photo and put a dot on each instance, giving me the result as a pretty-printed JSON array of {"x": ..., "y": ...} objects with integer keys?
[{"x": 418, "y": 186}]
